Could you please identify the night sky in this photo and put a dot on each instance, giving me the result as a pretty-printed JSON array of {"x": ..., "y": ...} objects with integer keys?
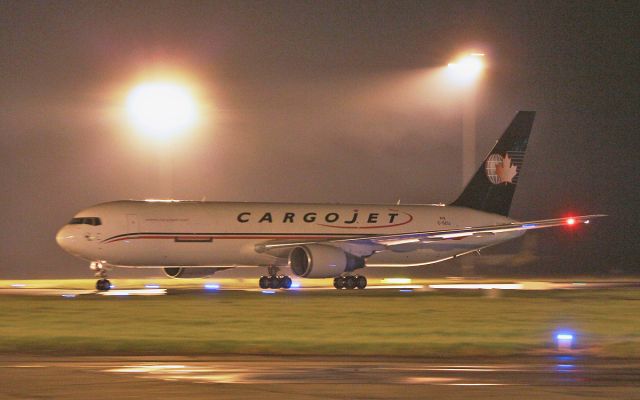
[{"x": 322, "y": 102}]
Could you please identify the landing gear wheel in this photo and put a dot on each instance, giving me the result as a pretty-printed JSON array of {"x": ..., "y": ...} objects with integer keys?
[
  {"x": 338, "y": 283},
  {"x": 350, "y": 282},
  {"x": 264, "y": 282},
  {"x": 285, "y": 282},
  {"x": 274, "y": 282},
  {"x": 361, "y": 282},
  {"x": 103, "y": 285}
]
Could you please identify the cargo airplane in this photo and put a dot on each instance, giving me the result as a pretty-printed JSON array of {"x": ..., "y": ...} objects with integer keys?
[{"x": 198, "y": 238}]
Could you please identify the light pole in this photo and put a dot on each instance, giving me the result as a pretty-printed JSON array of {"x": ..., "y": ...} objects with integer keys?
[{"x": 466, "y": 72}]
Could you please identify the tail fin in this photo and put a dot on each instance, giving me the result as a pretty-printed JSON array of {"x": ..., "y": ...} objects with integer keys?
[{"x": 491, "y": 189}]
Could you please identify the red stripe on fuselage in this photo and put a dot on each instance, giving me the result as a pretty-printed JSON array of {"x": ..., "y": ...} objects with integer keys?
[{"x": 173, "y": 237}]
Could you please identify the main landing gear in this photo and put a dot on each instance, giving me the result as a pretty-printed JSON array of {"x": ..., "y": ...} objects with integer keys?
[
  {"x": 102, "y": 284},
  {"x": 350, "y": 282},
  {"x": 274, "y": 281}
]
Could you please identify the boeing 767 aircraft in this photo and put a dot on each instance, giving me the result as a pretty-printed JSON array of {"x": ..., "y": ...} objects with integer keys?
[{"x": 197, "y": 238}]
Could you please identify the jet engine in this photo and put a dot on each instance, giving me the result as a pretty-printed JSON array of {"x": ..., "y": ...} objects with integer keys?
[
  {"x": 192, "y": 272},
  {"x": 321, "y": 261}
]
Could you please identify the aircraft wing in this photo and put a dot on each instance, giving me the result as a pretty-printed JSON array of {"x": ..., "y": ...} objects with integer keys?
[{"x": 382, "y": 242}]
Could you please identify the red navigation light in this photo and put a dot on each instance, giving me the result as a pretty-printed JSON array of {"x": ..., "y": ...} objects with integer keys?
[{"x": 571, "y": 221}]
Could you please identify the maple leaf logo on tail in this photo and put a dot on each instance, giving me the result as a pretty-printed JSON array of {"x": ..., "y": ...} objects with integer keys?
[
  {"x": 492, "y": 187},
  {"x": 506, "y": 171}
]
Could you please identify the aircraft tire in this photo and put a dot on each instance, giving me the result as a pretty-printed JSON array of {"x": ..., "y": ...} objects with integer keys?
[
  {"x": 338, "y": 283},
  {"x": 286, "y": 282},
  {"x": 103, "y": 285},
  {"x": 361, "y": 282},
  {"x": 350, "y": 282},
  {"x": 264, "y": 282},
  {"x": 274, "y": 282}
]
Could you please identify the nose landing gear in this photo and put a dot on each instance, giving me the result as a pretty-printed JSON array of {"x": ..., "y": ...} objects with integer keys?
[{"x": 102, "y": 284}]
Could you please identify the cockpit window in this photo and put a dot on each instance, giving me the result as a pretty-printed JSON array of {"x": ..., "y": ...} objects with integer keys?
[{"x": 93, "y": 221}]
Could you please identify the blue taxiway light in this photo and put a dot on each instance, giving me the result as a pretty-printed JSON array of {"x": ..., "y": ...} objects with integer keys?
[
  {"x": 69, "y": 296},
  {"x": 565, "y": 340},
  {"x": 151, "y": 286},
  {"x": 295, "y": 285},
  {"x": 211, "y": 286},
  {"x": 406, "y": 290},
  {"x": 565, "y": 368},
  {"x": 269, "y": 291}
]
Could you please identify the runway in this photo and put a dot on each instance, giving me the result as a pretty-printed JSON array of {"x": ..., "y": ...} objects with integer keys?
[
  {"x": 163, "y": 288},
  {"x": 270, "y": 377}
]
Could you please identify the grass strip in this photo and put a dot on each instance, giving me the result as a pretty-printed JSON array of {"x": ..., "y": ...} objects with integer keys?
[{"x": 428, "y": 324}]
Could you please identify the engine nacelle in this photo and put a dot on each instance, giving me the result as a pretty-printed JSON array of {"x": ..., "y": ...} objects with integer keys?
[
  {"x": 191, "y": 272},
  {"x": 320, "y": 261}
]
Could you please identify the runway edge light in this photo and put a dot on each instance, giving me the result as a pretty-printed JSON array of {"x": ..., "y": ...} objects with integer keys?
[
  {"x": 152, "y": 286},
  {"x": 564, "y": 340}
]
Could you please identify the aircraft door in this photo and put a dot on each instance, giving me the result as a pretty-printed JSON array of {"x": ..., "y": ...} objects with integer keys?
[{"x": 132, "y": 223}]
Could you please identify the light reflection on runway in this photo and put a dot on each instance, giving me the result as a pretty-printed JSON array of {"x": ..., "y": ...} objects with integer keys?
[
  {"x": 277, "y": 377},
  {"x": 135, "y": 292},
  {"x": 300, "y": 370}
]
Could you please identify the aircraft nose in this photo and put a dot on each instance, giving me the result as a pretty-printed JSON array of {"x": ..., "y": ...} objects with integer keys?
[{"x": 66, "y": 239}]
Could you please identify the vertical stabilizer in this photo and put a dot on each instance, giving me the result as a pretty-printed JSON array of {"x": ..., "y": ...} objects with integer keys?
[{"x": 492, "y": 187}]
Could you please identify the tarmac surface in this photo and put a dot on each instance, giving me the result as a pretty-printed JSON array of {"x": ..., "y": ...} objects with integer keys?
[
  {"x": 158, "y": 290},
  {"x": 271, "y": 377}
]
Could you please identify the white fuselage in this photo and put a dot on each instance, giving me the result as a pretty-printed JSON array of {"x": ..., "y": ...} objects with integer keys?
[{"x": 225, "y": 234}]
